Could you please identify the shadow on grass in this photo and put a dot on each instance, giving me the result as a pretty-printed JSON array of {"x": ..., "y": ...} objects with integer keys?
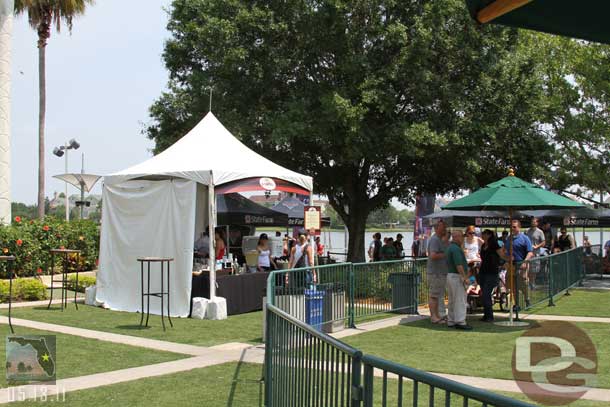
[
  {"x": 236, "y": 381},
  {"x": 136, "y": 327},
  {"x": 478, "y": 326}
]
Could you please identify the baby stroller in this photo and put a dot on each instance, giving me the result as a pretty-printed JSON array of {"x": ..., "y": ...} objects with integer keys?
[
  {"x": 473, "y": 292},
  {"x": 500, "y": 292}
]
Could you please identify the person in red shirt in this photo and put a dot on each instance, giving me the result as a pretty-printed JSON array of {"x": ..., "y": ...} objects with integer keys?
[{"x": 319, "y": 247}]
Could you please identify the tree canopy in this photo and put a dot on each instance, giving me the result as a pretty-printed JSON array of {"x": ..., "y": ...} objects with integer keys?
[{"x": 373, "y": 98}]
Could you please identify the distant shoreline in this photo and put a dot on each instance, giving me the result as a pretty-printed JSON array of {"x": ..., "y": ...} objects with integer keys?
[{"x": 338, "y": 229}]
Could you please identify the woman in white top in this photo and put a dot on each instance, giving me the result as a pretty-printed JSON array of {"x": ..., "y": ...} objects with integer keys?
[
  {"x": 264, "y": 254},
  {"x": 301, "y": 256},
  {"x": 472, "y": 245}
]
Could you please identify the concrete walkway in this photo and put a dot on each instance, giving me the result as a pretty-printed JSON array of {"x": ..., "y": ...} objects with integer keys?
[
  {"x": 79, "y": 298},
  {"x": 110, "y": 337}
]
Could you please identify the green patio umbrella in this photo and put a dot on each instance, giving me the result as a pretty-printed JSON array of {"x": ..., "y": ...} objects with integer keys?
[
  {"x": 512, "y": 193},
  {"x": 585, "y": 19}
]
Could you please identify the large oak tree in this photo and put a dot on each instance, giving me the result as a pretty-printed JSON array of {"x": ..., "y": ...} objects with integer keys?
[{"x": 373, "y": 98}]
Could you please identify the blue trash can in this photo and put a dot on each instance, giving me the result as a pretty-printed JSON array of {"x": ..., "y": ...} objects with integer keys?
[{"x": 314, "y": 308}]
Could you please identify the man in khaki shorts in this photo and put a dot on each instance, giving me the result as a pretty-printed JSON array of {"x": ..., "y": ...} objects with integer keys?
[{"x": 436, "y": 269}]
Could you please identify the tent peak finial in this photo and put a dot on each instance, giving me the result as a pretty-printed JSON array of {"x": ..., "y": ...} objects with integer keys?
[{"x": 511, "y": 172}]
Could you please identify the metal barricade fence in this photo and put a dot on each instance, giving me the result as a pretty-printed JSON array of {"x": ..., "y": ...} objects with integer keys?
[
  {"x": 593, "y": 259},
  {"x": 400, "y": 385},
  {"x": 305, "y": 367},
  {"x": 350, "y": 291},
  {"x": 547, "y": 276},
  {"x": 385, "y": 286}
]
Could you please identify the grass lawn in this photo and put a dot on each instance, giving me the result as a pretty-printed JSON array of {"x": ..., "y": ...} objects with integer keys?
[
  {"x": 485, "y": 352},
  {"x": 231, "y": 384},
  {"x": 239, "y": 328},
  {"x": 78, "y": 356},
  {"x": 582, "y": 303},
  {"x": 227, "y": 385}
]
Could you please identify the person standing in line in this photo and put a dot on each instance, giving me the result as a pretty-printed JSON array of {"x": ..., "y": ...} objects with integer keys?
[
  {"x": 388, "y": 252},
  {"x": 489, "y": 272},
  {"x": 536, "y": 237},
  {"x": 472, "y": 244},
  {"x": 586, "y": 244},
  {"x": 522, "y": 254},
  {"x": 436, "y": 271},
  {"x": 375, "y": 248},
  {"x": 400, "y": 251},
  {"x": 564, "y": 241},
  {"x": 301, "y": 256},
  {"x": 264, "y": 254},
  {"x": 538, "y": 240},
  {"x": 549, "y": 239},
  {"x": 415, "y": 248},
  {"x": 457, "y": 280}
]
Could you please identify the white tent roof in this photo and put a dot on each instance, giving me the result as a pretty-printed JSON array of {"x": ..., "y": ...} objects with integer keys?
[{"x": 209, "y": 148}]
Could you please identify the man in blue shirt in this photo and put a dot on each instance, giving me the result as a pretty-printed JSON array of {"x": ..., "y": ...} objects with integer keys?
[{"x": 521, "y": 253}]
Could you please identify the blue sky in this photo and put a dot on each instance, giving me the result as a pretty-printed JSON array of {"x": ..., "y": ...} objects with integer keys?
[{"x": 100, "y": 82}]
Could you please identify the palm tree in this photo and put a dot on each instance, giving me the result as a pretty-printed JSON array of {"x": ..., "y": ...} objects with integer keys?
[
  {"x": 6, "y": 23},
  {"x": 43, "y": 15}
]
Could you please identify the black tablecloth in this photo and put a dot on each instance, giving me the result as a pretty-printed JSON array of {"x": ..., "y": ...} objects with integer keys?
[{"x": 243, "y": 292}]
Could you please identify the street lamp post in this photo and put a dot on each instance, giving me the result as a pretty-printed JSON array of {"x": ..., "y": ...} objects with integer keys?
[{"x": 60, "y": 151}]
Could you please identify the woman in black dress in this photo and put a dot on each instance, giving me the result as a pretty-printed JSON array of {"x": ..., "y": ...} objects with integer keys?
[{"x": 489, "y": 271}]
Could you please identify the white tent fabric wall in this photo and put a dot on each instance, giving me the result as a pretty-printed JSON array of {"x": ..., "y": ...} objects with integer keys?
[{"x": 140, "y": 219}]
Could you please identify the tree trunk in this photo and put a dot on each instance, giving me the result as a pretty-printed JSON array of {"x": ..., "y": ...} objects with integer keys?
[
  {"x": 355, "y": 247},
  {"x": 6, "y": 25},
  {"x": 41, "y": 120}
]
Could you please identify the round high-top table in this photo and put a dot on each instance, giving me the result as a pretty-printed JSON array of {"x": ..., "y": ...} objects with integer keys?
[
  {"x": 65, "y": 255},
  {"x": 165, "y": 265},
  {"x": 10, "y": 260}
]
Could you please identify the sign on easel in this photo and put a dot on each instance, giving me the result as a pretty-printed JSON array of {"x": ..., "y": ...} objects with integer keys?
[{"x": 312, "y": 220}]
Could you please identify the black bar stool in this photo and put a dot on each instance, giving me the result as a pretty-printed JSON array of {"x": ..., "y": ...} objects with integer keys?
[
  {"x": 10, "y": 260},
  {"x": 165, "y": 264},
  {"x": 65, "y": 255}
]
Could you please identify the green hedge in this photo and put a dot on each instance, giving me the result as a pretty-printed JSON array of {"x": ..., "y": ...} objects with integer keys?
[
  {"x": 24, "y": 289},
  {"x": 31, "y": 240},
  {"x": 83, "y": 283}
]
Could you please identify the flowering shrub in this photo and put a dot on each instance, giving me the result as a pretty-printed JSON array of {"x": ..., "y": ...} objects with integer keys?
[
  {"x": 83, "y": 283},
  {"x": 24, "y": 289},
  {"x": 30, "y": 241}
]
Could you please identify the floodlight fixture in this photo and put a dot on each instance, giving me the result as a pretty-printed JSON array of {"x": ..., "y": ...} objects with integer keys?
[
  {"x": 73, "y": 144},
  {"x": 60, "y": 152}
]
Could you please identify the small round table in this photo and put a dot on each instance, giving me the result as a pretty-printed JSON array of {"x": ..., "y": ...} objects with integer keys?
[
  {"x": 65, "y": 254},
  {"x": 10, "y": 260},
  {"x": 165, "y": 264}
]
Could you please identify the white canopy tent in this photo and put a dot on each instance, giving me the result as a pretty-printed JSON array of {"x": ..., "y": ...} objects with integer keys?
[{"x": 158, "y": 207}]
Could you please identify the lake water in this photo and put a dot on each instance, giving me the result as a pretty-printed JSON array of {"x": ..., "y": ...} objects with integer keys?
[{"x": 335, "y": 241}]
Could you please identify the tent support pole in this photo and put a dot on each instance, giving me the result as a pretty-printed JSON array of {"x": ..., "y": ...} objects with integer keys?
[
  {"x": 312, "y": 238},
  {"x": 211, "y": 231}
]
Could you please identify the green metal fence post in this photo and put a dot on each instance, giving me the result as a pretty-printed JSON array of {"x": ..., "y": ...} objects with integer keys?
[
  {"x": 357, "y": 380},
  {"x": 368, "y": 386},
  {"x": 268, "y": 351},
  {"x": 352, "y": 288},
  {"x": 551, "y": 278}
]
